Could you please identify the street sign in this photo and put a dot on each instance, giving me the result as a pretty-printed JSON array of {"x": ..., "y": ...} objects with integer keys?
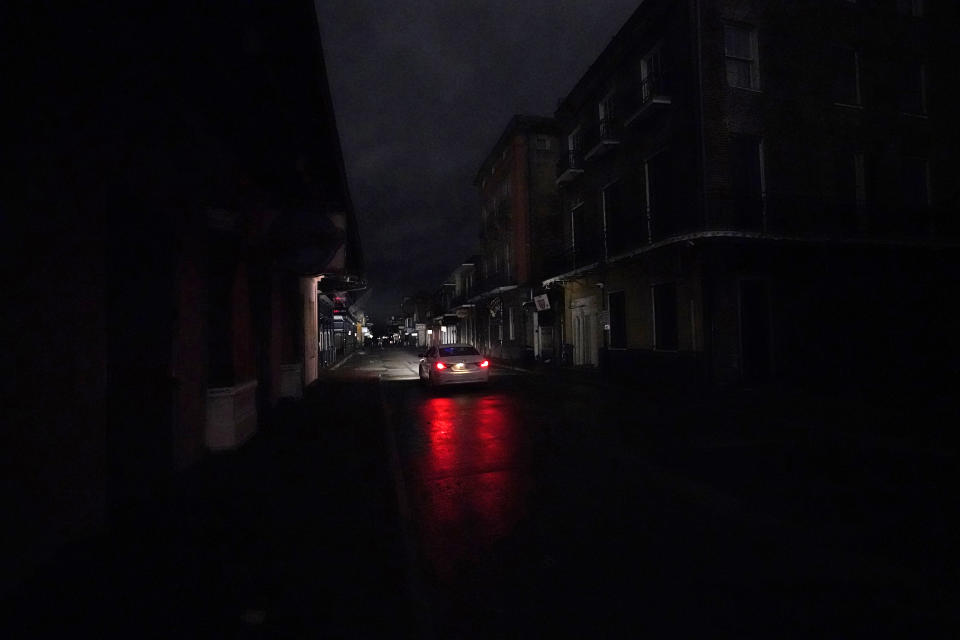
[{"x": 542, "y": 302}]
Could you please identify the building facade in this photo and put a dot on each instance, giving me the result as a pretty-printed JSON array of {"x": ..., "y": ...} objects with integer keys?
[
  {"x": 458, "y": 323},
  {"x": 757, "y": 190},
  {"x": 520, "y": 231},
  {"x": 191, "y": 201}
]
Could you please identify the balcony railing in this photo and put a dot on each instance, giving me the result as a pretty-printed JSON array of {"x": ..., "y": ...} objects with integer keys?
[
  {"x": 601, "y": 136},
  {"x": 569, "y": 166},
  {"x": 645, "y": 97}
]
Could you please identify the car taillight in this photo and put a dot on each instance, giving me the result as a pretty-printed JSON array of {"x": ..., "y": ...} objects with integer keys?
[
  {"x": 440, "y": 365},
  {"x": 485, "y": 363}
]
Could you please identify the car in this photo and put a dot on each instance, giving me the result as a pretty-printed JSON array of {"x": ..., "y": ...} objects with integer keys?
[{"x": 453, "y": 364}]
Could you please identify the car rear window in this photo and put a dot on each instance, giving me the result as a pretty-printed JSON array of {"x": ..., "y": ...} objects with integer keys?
[{"x": 458, "y": 351}]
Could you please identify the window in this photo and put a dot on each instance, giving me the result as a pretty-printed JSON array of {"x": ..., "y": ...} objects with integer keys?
[
  {"x": 659, "y": 180},
  {"x": 510, "y": 321},
  {"x": 543, "y": 143},
  {"x": 613, "y": 218},
  {"x": 506, "y": 259},
  {"x": 665, "y": 329},
  {"x": 605, "y": 109},
  {"x": 573, "y": 141},
  {"x": 915, "y": 184},
  {"x": 851, "y": 183},
  {"x": 586, "y": 235},
  {"x": 740, "y": 48},
  {"x": 913, "y": 90},
  {"x": 846, "y": 75},
  {"x": 617, "y": 306},
  {"x": 623, "y": 217},
  {"x": 859, "y": 182},
  {"x": 458, "y": 351},
  {"x": 910, "y": 7},
  {"x": 650, "y": 75}
]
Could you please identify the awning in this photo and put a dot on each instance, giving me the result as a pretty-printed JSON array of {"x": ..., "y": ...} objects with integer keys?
[{"x": 313, "y": 242}]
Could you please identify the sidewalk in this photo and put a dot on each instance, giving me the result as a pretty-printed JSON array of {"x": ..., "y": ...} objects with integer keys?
[
  {"x": 568, "y": 373},
  {"x": 294, "y": 535},
  {"x": 854, "y": 483}
]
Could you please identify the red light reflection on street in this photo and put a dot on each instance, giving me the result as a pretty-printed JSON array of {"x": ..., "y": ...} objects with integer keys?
[{"x": 469, "y": 488}]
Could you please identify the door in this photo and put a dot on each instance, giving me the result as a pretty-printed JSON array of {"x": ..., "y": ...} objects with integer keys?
[
  {"x": 585, "y": 332},
  {"x": 755, "y": 351}
]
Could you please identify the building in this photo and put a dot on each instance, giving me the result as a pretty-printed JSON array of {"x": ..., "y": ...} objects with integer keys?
[
  {"x": 418, "y": 311},
  {"x": 183, "y": 210},
  {"x": 756, "y": 190},
  {"x": 520, "y": 231},
  {"x": 457, "y": 324}
]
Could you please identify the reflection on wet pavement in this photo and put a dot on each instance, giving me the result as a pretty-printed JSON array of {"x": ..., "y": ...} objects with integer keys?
[{"x": 470, "y": 485}]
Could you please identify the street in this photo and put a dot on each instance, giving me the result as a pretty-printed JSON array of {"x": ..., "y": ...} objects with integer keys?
[{"x": 536, "y": 508}]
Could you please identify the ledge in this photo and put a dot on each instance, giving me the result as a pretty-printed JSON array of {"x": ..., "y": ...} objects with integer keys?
[{"x": 231, "y": 415}]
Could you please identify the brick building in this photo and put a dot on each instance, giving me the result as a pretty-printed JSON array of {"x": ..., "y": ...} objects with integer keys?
[
  {"x": 519, "y": 232},
  {"x": 755, "y": 190}
]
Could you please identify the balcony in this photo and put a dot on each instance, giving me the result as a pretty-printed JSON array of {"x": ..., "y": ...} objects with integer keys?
[
  {"x": 647, "y": 97},
  {"x": 569, "y": 166},
  {"x": 602, "y": 136}
]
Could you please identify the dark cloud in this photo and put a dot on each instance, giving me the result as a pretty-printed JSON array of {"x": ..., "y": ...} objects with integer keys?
[{"x": 422, "y": 90}]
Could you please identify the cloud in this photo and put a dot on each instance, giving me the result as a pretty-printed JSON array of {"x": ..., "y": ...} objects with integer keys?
[{"x": 422, "y": 90}]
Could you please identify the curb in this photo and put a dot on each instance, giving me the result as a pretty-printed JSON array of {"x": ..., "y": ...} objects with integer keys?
[
  {"x": 558, "y": 375},
  {"x": 337, "y": 366}
]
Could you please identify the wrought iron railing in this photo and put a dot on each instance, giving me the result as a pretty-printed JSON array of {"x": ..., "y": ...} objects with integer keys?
[
  {"x": 637, "y": 96},
  {"x": 571, "y": 160},
  {"x": 604, "y": 130}
]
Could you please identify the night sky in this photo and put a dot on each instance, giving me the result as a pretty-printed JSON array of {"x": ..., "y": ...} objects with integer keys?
[{"x": 422, "y": 90}]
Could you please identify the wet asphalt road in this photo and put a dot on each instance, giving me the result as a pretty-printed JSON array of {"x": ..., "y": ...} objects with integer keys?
[{"x": 538, "y": 509}]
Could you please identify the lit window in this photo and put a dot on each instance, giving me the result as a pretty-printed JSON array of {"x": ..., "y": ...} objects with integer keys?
[{"x": 740, "y": 49}]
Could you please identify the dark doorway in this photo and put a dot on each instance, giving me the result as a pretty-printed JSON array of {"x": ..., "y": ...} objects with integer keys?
[
  {"x": 618, "y": 320},
  {"x": 755, "y": 330},
  {"x": 666, "y": 331}
]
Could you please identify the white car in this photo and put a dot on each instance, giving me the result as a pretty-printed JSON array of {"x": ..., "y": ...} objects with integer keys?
[{"x": 453, "y": 364}]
